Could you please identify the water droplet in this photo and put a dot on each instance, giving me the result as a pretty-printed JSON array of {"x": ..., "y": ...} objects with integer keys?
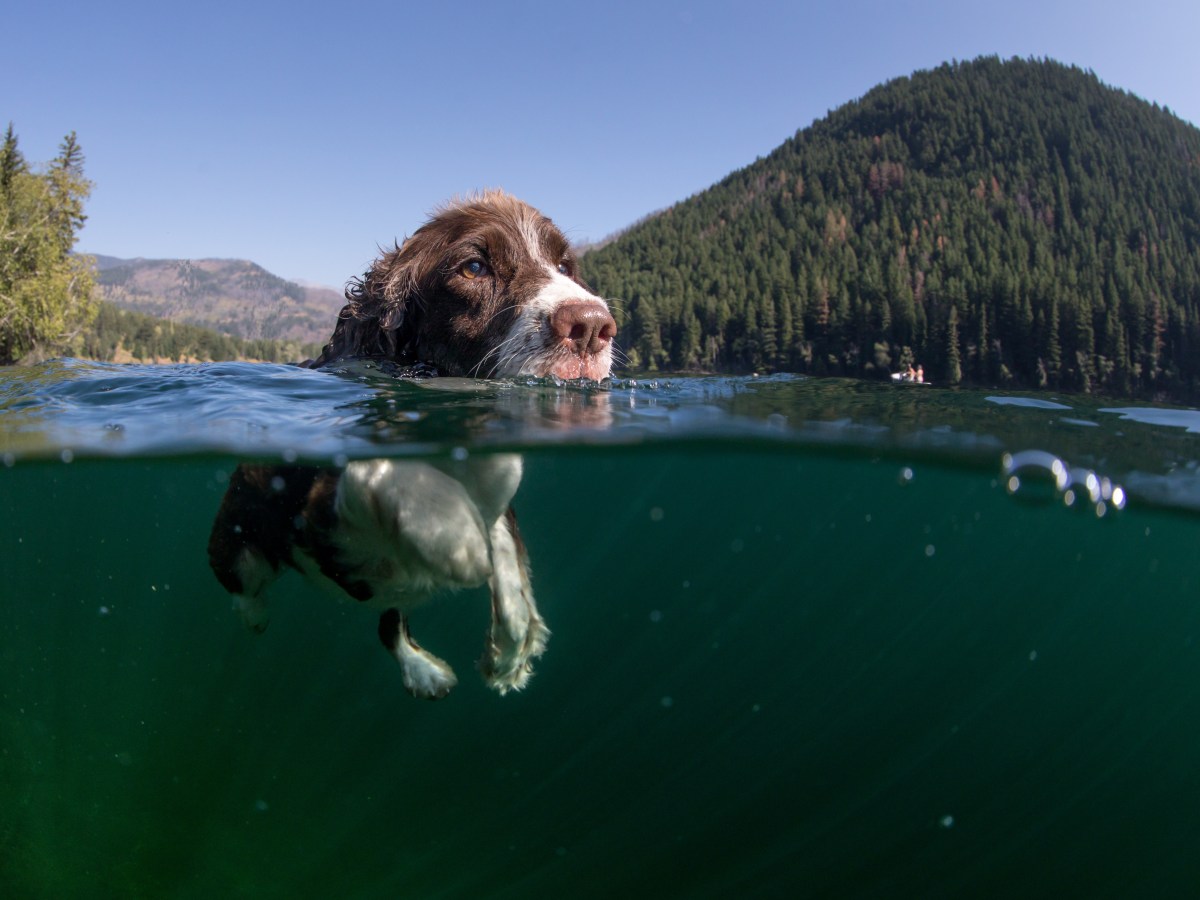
[
  {"x": 67, "y": 455},
  {"x": 906, "y": 475},
  {"x": 656, "y": 514},
  {"x": 946, "y": 821},
  {"x": 261, "y": 806},
  {"x": 459, "y": 454},
  {"x": 930, "y": 550},
  {"x": 656, "y": 615},
  {"x": 667, "y": 702}
]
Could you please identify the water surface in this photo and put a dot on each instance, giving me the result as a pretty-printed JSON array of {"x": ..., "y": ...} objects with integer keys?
[{"x": 809, "y": 639}]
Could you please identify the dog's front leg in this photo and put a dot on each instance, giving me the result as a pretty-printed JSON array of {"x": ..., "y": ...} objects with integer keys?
[
  {"x": 425, "y": 675},
  {"x": 517, "y": 635}
]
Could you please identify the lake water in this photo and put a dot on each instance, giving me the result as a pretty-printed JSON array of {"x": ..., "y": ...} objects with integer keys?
[{"x": 810, "y": 638}]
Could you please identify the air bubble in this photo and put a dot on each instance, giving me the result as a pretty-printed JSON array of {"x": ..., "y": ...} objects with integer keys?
[{"x": 1035, "y": 475}]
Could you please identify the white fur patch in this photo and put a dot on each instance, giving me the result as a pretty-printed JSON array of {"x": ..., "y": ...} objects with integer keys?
[
  {"x": 530, "y": 347},
  {"x": 425, "y": 675},
  {"x": 518, "y": 634},
  {"x": 410, "y": 529}
]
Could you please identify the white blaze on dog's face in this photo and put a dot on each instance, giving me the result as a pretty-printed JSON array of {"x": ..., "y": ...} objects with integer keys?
[
  {"x": 488, "y": 288},
  {"x": 563, "y": 330}
]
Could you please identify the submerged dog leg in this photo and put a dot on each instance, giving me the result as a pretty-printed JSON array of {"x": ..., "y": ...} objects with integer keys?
[
  {"x": 424, "y": 674},
  {"x": 255, "y": 575},
  {"x": 518, "y": 634}
]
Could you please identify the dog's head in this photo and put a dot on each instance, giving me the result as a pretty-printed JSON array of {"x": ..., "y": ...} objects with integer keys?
[{"x": 488, "y": 287}]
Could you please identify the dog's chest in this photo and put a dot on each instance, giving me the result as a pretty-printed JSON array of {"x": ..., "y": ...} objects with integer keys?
[{"x": 402, "y": 530}]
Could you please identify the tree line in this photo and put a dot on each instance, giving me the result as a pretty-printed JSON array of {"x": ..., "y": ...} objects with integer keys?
[
  {"x": 1003, "y": 223},
  {"x": 121, "y": 335}
]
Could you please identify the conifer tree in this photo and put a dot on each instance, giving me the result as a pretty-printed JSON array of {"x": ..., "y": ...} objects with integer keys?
[
  {"x": 953, "y": 353},
  {"x": 45, "y": 291}
]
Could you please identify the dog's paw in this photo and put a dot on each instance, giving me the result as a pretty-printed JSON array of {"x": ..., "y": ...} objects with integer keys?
[
  {"x": 507, "y": 663},
  {"x": 426, "y": 677},
  {"x": 253, "y": 611}
]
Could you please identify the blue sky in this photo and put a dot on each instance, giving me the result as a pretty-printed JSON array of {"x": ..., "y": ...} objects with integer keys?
[{"x": 305, "y": 135}]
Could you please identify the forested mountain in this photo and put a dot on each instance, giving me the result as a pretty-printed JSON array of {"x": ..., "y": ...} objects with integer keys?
[
  {"x": 1011, "y": 223},
  {"x": 231, "y": 296}
]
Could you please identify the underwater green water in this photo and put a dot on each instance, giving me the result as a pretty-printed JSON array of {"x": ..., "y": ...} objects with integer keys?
[{"x": 806, "y": 642}]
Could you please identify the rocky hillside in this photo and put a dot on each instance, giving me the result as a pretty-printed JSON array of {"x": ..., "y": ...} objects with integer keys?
[{"x": 231, "y": 296}]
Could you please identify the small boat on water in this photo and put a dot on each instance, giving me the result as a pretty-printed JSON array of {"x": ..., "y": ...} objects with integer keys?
[{"x": 906, "y": 378}]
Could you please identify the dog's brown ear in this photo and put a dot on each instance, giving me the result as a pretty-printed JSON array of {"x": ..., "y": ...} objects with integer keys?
[
  {"x": 393, "y": 316},
  {"x": 380, "y": 315}
]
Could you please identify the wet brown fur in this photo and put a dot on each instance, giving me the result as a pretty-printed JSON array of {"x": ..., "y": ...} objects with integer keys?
[{"x": 415, "y": 305}]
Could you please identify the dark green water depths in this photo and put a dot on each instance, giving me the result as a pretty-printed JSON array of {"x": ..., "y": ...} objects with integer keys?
[{"x": 806, "y": 642}]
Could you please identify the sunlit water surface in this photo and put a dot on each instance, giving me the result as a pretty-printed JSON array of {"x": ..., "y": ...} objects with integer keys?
[{"x": 810, "y": 638}]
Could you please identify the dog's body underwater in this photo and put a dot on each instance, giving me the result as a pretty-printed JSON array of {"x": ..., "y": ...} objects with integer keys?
[{"x": 488, "y": 287}]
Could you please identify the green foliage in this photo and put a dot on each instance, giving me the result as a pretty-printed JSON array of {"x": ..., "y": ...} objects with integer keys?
[
  {"x": 1000, "y": 222},
  {"x": 45, "y": 291},
  {"x": 119, "y": 335}
]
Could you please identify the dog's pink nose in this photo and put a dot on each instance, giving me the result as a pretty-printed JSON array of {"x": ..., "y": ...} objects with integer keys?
[{"x": 587, "y": 324}]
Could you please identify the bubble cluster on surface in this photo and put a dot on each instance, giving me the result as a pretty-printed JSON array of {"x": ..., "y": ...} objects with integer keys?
[{"x": 1034, "y": 474}]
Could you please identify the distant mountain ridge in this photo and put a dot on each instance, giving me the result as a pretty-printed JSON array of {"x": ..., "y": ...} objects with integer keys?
[{"x": 231, "y": 296}]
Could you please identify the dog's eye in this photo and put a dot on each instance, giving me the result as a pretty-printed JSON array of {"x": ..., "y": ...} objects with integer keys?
[
  {"x": 564, "y": 268},
  {"x": 473, "y": 269}
]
